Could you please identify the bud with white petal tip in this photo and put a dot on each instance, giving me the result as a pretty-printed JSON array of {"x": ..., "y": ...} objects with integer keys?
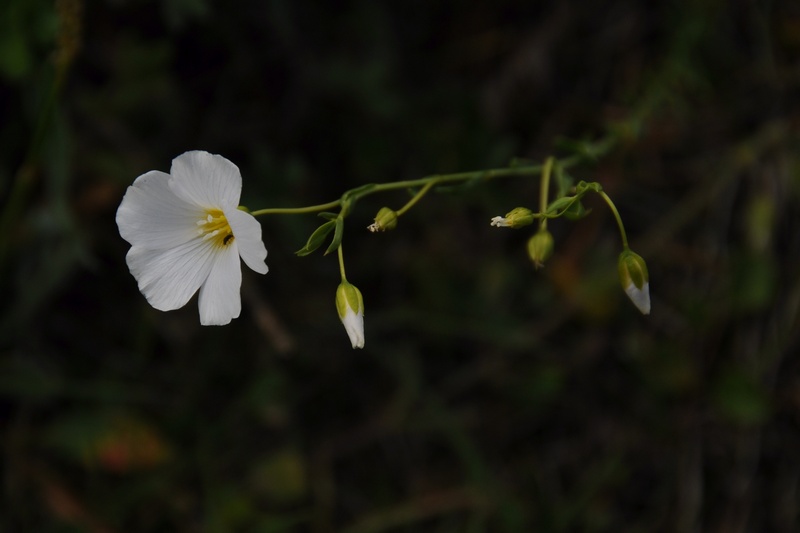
[
  {"x": 350, "y": 306},
  {"x": 516, "y": 218},
  {"x": 385, "y": 220},
  {"x": 635, "y": 280}
]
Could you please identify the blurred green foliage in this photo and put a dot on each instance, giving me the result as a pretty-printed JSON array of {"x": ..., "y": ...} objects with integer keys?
[{"x": 490, "y": 396}]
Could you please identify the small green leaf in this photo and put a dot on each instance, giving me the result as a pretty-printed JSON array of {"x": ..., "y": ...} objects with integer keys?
[
  {"x": 327, "y": 215},
  {"x": 337, "y": 235},
  {"x": 560, "y": 204},
  {"x": 317, "y": 238}
]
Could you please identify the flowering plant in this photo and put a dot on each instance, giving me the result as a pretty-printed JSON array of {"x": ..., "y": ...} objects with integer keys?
[{"x": 188, "y": 233}]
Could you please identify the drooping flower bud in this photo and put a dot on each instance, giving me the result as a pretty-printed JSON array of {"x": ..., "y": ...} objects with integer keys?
[
  {"x": 635, "y": 280},
  {"x": 350, "y": 306},
  {"x": 385, "y": 220},
  {"x": 540, "y": 247},
  {"x": 516, "y": 218}
]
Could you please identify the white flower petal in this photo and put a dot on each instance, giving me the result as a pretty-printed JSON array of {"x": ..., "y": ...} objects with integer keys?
[
  {"x": 151, "y": 216},
  {"x": 168, "y": 278},
  {"x": 640, "y": 297},
  {"x": 219, "y": 299},
  {"x": 247, "y": 233},
  {"x": 354, "y": 325},
  {"x": 206, "y": 180}
]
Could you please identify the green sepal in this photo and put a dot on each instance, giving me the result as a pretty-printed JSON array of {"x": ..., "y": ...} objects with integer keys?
[
  {"x": 385, "y": 220},
  {"x": 540, "y": 247},
  {"x": 316, "y": 239},
  {"x": 337, "y": 235},
  {"x": 632, "y": 270},
  {"x": 519, "y": 217},
  {"x": 348, "y": 296}
]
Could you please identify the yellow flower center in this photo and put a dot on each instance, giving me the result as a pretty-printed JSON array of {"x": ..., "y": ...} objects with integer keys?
[{"x": 215, "y": 227}]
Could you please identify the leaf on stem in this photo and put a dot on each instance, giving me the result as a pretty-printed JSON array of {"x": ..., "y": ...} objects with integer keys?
[
  {"x": 317, "y": 238},
  {"x": 568, "y": 206},
  {"x": 337, "y": 235},
  {"x": 559, "y": 205}
]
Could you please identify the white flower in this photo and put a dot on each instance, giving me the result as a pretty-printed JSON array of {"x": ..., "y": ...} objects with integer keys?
[
  {"x": 350, "y": 306},
  {"x": 186, "y": 233}
]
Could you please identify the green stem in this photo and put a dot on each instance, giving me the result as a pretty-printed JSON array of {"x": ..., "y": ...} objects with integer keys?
[
  {"x": 416, "y": 197},
  {"x": 296, "y": 210},
  {"x": 544, "y": 191},
  {"x": 619, "y": 219},
  {"x": 341, "y": 263},
  {"x": 599, "y": 148},
  {"x": 438, "y": 179}
]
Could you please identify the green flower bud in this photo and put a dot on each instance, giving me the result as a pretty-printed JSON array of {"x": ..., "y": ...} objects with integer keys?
[
  {"x": 350, "y": 306},
  {"x": 540, "y": 247},
  {"x": 385, "y": 220},
  {"x": 635, "y": 280},
  {"x": 516, "y": 218}
]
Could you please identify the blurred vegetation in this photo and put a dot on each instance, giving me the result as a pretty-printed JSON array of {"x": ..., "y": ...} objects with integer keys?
[{"x": 490, "y": 396}]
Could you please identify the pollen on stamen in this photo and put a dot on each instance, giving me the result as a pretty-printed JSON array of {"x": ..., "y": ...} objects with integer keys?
[
  {"x": 214, "y": 226},
  {"x": 211, "y": 235}
]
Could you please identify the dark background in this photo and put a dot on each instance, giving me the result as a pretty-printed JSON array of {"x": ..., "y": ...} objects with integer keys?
[{"x": 490, "y": 396}]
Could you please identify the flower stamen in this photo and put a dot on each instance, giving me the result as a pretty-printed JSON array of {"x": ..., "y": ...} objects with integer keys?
[{"x": 215, "y": 226}]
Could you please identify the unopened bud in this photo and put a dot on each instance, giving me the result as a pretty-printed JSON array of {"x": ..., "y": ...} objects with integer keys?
[
  {"x": 635, "y": 280},
  {"x": 516, "y": 218},
  {"x": 540, "y": 247},
  {"x": 350, "y": 306},
  {"x": 385, "y": 220}
]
